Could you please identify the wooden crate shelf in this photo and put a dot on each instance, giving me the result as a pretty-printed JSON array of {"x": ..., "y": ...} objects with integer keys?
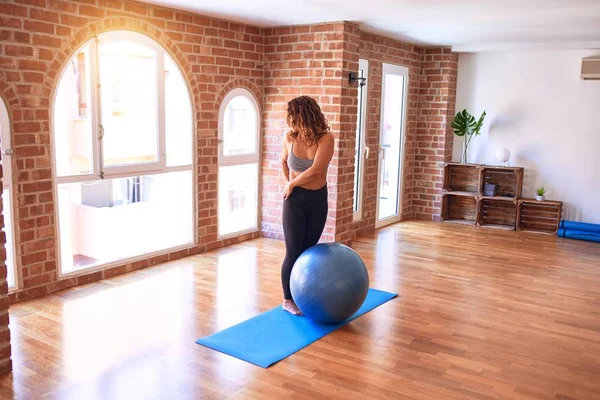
[
  {"x": 459, "y": 209},
  {"x": 508, "y": 180},
  {"x": 460, "y": 193},
  {"x": 463, "y": 199},
  {"x": 461, "y": 178},
  {"x": 539, "y": 216},
  {"x": 500, "y": 198},
  {"x": 496, "y": 213}
]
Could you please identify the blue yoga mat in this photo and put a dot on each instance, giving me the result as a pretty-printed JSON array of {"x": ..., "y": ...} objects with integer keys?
[
  {"x": 566, "y": 232},
  {"x": 587, "y": 238},
  {"x": 276, "y": 334},
  {"x": 580, "y": 226},
  {"x": 579, "y": 235}
]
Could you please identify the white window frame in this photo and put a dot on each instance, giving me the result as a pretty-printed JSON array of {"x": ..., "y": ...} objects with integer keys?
[
  {"x": 160, "y": 163},
  {"x": 7, "y": 184},
  {"x": 242, "y": 159},
  {"x": 94, "y": 173},
  {"x": 391, "y": 69},
  {"x": 362, "y": 136},
  {"x": 99, "y": 171}
]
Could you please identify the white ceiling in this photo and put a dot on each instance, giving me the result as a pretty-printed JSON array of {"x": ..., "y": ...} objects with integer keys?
[{"x": 467, "y": 25}]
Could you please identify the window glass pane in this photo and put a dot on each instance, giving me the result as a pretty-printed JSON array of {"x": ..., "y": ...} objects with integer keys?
[
  {"x": 128, "y": 78},
  {"x": 238, "y": 198},
  {"x": 8, "y": 232},
  {"x": 113, "y": 219},
  {"x": 178, "y": 117},
  {"x": 72, "y": 118},
  {"x": 239, "y": 127}
]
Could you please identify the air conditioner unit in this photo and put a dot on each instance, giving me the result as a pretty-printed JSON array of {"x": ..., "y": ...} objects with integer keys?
[{"x": 590, "y": 68}]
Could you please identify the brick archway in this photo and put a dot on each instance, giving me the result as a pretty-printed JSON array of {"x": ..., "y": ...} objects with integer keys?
[{"x": 239, "y": 83}]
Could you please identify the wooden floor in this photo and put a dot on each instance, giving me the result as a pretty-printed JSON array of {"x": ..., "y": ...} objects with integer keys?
[{"x": 481, "y": 314}]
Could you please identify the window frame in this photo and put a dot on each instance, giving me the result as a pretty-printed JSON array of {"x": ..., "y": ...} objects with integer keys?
[
  {"x": 244, "y": 159},
  {"x": 93, "y": 174},
  {"x": 5, "y": 131},
  {"x": 363, "y": 150},
  {"x": 99, "y": 172},
  {"x": 160, "y": 163}
]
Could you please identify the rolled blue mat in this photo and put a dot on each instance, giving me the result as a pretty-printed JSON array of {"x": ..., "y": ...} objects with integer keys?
[
  {"x": 561, "y": 232},
  {"x": 587, "y": 238},
  {"x": 580, "y": 226},
  {"x": 579, "y": 232}
]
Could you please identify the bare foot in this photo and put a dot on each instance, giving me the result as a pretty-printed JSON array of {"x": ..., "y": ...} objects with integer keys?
[{"x": 291, "y": 307}]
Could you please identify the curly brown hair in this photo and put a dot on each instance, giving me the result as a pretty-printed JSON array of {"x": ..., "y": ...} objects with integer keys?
[{"x": 306, "y": 120}]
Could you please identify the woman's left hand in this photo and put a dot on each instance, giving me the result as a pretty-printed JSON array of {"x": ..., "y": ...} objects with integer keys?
[{"x": 287, "y": 190}]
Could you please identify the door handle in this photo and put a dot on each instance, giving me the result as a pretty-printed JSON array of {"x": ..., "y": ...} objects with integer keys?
[{"x": 367, "y": 150}]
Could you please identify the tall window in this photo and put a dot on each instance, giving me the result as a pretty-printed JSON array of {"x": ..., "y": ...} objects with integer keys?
[
  {"x": 7, "y": 195},
  {"x": 361, "y": 151},
  {"x": 123, "y": 148},
  {"x": 239, "y": 127}
]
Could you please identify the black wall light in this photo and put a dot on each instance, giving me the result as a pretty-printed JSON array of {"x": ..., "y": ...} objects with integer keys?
[{"x": 353, "y": 77}]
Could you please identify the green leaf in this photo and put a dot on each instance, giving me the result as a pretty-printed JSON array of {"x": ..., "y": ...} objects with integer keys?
[
  {"x": 463, "y": 123},
  {"x": 479, "y": 124}
]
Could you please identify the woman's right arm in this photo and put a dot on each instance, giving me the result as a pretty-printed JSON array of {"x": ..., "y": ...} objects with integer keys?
[{"x": 284, "y": 157}]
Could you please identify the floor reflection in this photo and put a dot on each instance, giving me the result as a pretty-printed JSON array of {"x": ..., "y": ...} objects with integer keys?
[
  {"x": 236, "y": 291},
  {"x": 103, "y": 328}
]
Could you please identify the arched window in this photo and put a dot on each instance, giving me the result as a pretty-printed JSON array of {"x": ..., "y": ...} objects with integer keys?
[
  {"x": 7, "y": 209},
  {"x": 123, "y": 146},
  {"x": 239, "y": 154}
]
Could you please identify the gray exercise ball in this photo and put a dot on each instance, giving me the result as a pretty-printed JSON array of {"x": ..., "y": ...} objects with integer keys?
[{"x": 329, "y": 282}]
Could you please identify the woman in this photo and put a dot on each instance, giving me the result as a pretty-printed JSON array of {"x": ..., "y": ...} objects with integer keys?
[{"x": 307, "y": 151}]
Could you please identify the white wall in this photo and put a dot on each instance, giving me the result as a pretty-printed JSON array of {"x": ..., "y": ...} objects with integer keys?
[{"x": 539, "y": 108}]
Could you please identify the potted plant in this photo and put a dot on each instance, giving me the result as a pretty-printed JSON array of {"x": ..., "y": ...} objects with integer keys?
[
  {"x": 540, "y": 192},
  {"x": 465, "y": 126}
]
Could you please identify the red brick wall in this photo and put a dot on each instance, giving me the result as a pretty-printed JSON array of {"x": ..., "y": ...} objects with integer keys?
[
  {"x": 377, "y": 50},
  {"x": 294, "y": 66},
  {"x": 5, "y": 351},
  {"x": 36, "y": 39},
  {"x": 344, "y": 224},
  {"x": 437, "y": 98},
  {"x": 38, "y": 36},
  {"x": 310, "y": 60}
]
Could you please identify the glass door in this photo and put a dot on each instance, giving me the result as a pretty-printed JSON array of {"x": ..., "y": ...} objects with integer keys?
[{"x": 391, "y": 143}]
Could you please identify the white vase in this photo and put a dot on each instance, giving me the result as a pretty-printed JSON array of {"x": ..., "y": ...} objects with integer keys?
[
  {"x": 503, "y": 155},
  {"x": 540, "y": 198}
]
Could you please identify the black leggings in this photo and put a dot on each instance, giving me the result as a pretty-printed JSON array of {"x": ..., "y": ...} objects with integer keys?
[{"x": 304, "y": 216}]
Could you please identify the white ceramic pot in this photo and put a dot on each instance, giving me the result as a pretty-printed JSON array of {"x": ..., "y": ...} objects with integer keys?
[
  {"x": 540, "y": 198},
  {"x": 503, "y": 155}
]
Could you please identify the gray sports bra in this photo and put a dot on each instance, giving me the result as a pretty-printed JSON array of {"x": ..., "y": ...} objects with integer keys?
[{"x": 298, "y": 164}]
